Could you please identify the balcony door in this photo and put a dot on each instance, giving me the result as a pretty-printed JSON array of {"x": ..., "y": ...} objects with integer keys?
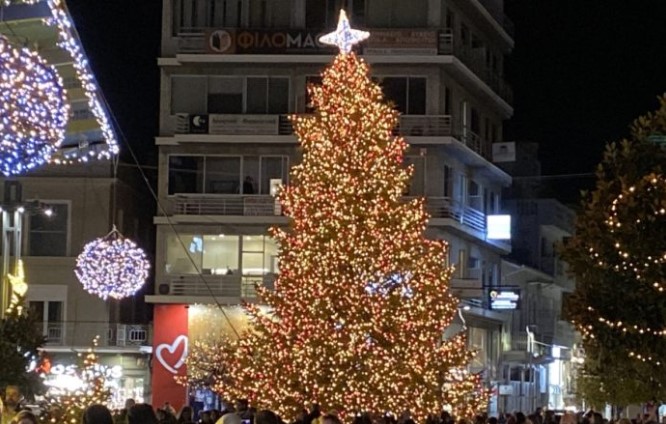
[{"x": 50, "y": 315}]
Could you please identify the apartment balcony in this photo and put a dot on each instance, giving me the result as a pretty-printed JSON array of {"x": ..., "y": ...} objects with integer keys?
[
  {"x": 419, "y": 129},
  {"x": 75, "y": 333},
  {"x": 228, "y": 289},
  {"x": 442, "y": 210}
]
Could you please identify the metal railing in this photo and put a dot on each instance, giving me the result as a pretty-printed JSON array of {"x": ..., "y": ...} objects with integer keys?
[
  {"x": 79, "y": 333},
  {"x": 425, "y": 125},
  {"x": 264, "y": 205},
  {"x": 218, "y": 285},
  {"x": 213, "y": 204},
  {"x": 445, "y": 207}
]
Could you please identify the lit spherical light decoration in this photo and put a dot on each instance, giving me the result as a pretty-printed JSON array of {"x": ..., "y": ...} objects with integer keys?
[
  {"x": 33, "y": 109},
  {"x": 112, "y": 266}
]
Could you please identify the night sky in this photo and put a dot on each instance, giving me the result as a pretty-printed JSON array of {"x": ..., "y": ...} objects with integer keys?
[{"x": 582, "y": 70}]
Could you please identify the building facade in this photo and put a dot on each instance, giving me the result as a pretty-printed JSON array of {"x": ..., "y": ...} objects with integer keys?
[
  {"x": 538, "y": 368},
  {"x": 231, "y": 73}
]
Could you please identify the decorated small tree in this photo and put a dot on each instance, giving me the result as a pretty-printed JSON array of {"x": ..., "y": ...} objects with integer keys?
[
  {"x": 67, "y": 406},
  {"x": 356, "y": 320}
]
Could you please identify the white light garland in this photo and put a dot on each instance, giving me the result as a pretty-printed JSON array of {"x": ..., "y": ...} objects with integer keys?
[
  {"x": 112, "y": 266},
  {"x": 33, "y": 110}
]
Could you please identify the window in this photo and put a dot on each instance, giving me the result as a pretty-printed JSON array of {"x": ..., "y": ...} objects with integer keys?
[
  {"x": 274, "y": 170},
  {"x": 225, "y": 95},
  {"x": 49, "y": 235},
  {"x": 196, "y": 15},
  {"x": 324, "y": 13},
  {"x": 229, "y": 95},
  {"x": 408, "y": 94},
  {"x": 269, "y": 14},
  {"x": 475, "y": 121},
  {"x": 186, "y": 174},
  {"x": 267, "y": 95},
  {"x": 188, "y": 94},
  {"x": 221, "y": 254},
  {"x": 464, "y": 35},
  {"x": 416, "y": 184},
  {"x": 50, "y": 314},
  {"x": 450, "y": 20},
  {"x": 448, "y": 181},
  {"x": 474, "y": 194},
  {"x": 397, "y": 13},
  {"x": 223, "y": 175},
  {"x": 478, "y": 340},
  {"x": 447, "y": 101},
  {"x": 226, "y": 174}
]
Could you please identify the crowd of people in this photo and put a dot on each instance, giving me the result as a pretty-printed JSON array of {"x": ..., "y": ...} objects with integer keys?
[{"x": 13, "y": 412}]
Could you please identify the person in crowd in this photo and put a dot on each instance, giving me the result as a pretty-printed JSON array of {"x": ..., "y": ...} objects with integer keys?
[
  {"x": 186, "y": 415},
  {"x": 97, "y": 414},
  {"x": 327, "y": 419},
  {"x": 268, "y": 417},
  {"x": 25, "y": 417},
  {"x": 243, "y": 409},
  {"x": 142, "y": 413},
  {"x": 206, "y": 417},
  {"x": 12, "y": 401},
  {"x": 229, "y": 418}
]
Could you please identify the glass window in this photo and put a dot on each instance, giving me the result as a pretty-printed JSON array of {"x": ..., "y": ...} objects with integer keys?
[
  {"x": 321, "y": 14},
  {"x": 478, "y": 340},
  {"x": 186, "y": 174},
  {"x": 259, "y": 255},
  {"x": 220, "y": 256},
  {"x": 188, "y": 94},
  {"x": 48, "y": 234},
  {"x": 225, "y": 95},
  {"x": 37, "y": 310},
  {"x": 407, "y": 94},
  {"x": 448, "y": 181},
  {"x": 223, "y": 174},
  {"x": 267, "y": 95},
  {"x": 178, "y": 258},
  {"x": 225, "y": 13},
  {"x": 273, "y": 168},
  {"x": 397, "y": 13},
  {"x": 269, "y": 14}
]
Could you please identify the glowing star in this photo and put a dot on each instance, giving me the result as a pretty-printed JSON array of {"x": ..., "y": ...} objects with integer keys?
[
  {"x": 112, "y": 266},
  {"x": 18, "y": 286},
  {"x": 344, "y": 37}
]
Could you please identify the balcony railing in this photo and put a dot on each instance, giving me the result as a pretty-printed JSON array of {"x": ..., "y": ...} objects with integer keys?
[
  {"x": 231, "y": 286},
  {"x": 75, "y": 333},
  {"x": 236, "y": 205},
  {"x": 213, "y": 204},
  {"x": 408, "y": 126}
]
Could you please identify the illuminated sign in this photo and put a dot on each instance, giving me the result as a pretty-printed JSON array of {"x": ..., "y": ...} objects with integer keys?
[
  {"x": 498, "y": 227},
  {"x": 504, "y": 300},
  {"x": 169, "y": 364}
]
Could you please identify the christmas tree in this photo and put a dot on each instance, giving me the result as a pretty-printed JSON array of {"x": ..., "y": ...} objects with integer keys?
[
  {"x": 20, "y": 339},
  {"x": 67, "y": 406},
  {"x": 355, "y": 322}
]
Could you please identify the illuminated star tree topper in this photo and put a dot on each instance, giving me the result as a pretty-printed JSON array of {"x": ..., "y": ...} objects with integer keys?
[{"x": 344, "y": 37}]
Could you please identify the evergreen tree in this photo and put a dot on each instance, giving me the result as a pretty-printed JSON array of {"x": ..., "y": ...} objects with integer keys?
[
  {"x": 357, "y": 317},
  {"x": 617, "y": 257},
  {"x": 20, "y": 339}
]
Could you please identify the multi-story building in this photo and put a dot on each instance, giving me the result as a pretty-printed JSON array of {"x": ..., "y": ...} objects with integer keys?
[
  {"x": 536, "y": 368},
  {"x": 231, "y": 72},
  {"x": 55, "y": 210}
]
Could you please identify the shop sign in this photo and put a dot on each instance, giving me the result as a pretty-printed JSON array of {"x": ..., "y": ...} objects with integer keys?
[
  {"x": 243, "y": 124},
  {"x": 401, "y": 42},
  {"x": 171, "y": 360},
  {"x": 504, "y": 300},
  {"x": 261, "y": 41}
]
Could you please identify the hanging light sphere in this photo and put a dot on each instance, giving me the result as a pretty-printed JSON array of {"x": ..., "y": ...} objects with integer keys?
[
  {"x": 33, "y": 110},
  {"x": 112, "y": 266}
]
